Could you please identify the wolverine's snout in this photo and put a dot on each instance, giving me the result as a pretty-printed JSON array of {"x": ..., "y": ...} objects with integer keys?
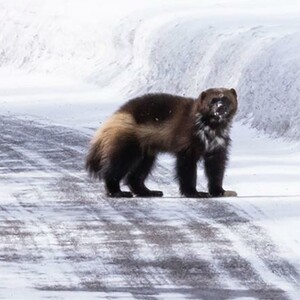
[{"x": 220, "y": 106}]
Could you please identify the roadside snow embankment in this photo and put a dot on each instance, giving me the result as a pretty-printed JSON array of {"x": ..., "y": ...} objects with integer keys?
[
  {"x": 170, "y": 48},
  {"x": 178, "y": 48}
]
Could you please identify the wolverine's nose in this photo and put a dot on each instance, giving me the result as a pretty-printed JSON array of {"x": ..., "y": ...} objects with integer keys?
[{"x": 221, "y": 107}]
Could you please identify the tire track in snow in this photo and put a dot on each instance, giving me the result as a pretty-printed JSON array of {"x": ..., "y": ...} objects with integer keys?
[
  {"x": 31, "y": 207},
  {"x": 117, "y": 241},
  {"x": 64, "y": 232},
  {"x": 36, "y": 149},
  {"x": 140, "y": 248},
  {"x": 252, "y": 239},
  {"x": 177, "y": 251}
]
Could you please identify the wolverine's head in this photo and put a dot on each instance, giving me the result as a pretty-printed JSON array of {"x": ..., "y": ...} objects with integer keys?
[{"x": 218, "y": 105}]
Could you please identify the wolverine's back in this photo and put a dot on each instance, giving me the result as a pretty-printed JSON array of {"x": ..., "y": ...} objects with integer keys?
[{"x": 156, "y": 108}]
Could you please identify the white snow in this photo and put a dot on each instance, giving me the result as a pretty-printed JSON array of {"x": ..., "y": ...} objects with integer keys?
[
  {"x": 74, "y": 62},
  {"x": 132, "y": 47}
]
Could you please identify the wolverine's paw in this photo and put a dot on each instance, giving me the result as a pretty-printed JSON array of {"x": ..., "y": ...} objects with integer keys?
[
  {"x": 229, "y": 194},
  {"x": 150, "y": 193},
  {"x": 120, "y": 195}
]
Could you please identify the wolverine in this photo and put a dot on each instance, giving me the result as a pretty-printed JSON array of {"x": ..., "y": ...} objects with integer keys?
[{"x": 126, "y": 145}]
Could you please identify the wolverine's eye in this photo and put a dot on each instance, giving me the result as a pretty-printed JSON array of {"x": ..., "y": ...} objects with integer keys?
[{"x": 226, "y": 101}]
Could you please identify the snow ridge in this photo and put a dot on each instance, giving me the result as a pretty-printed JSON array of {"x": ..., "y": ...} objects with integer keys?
[{"x": 177, "y": 49}]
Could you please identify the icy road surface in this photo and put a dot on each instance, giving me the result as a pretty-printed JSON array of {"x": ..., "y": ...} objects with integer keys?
[{"x": 61, "y": 238}]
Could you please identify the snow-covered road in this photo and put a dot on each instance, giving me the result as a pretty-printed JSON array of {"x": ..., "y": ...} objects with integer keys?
[{"x": 61, "y": 238}]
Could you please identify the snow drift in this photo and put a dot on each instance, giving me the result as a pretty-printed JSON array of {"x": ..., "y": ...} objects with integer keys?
[{"x": 137, "y": 47}]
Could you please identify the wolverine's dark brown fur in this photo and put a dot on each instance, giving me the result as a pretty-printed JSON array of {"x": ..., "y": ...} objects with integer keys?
[{"x": 128, "y": 142}]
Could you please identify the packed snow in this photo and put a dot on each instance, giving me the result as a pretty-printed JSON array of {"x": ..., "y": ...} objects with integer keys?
[{"x": 65, "y": 66}]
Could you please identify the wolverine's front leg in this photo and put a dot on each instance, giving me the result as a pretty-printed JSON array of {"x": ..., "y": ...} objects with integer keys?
[
  {"x": 186, "y": 168},
  {"x": 214, "y": 165}
]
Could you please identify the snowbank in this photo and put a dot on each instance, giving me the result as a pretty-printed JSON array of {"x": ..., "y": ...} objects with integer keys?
[{"x": 133, "y": 47}]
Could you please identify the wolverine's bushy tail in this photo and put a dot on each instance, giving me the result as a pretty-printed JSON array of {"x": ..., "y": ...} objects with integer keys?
[
  {"x": 106, "y": 141},
  {"x": 94, "y": 163}
]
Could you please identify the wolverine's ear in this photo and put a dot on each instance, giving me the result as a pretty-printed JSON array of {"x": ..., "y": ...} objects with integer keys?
[
  {"x": 233, "y": 92},
  {"x": 202, "y": 95}
]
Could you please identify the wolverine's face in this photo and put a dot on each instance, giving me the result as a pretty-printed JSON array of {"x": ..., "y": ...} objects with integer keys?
[{"x": 218, "y": 105}]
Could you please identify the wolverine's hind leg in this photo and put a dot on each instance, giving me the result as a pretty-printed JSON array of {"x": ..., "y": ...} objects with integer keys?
[
  {"x": 125, "y": 156},
  {"x": 138, "y": 175}
]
